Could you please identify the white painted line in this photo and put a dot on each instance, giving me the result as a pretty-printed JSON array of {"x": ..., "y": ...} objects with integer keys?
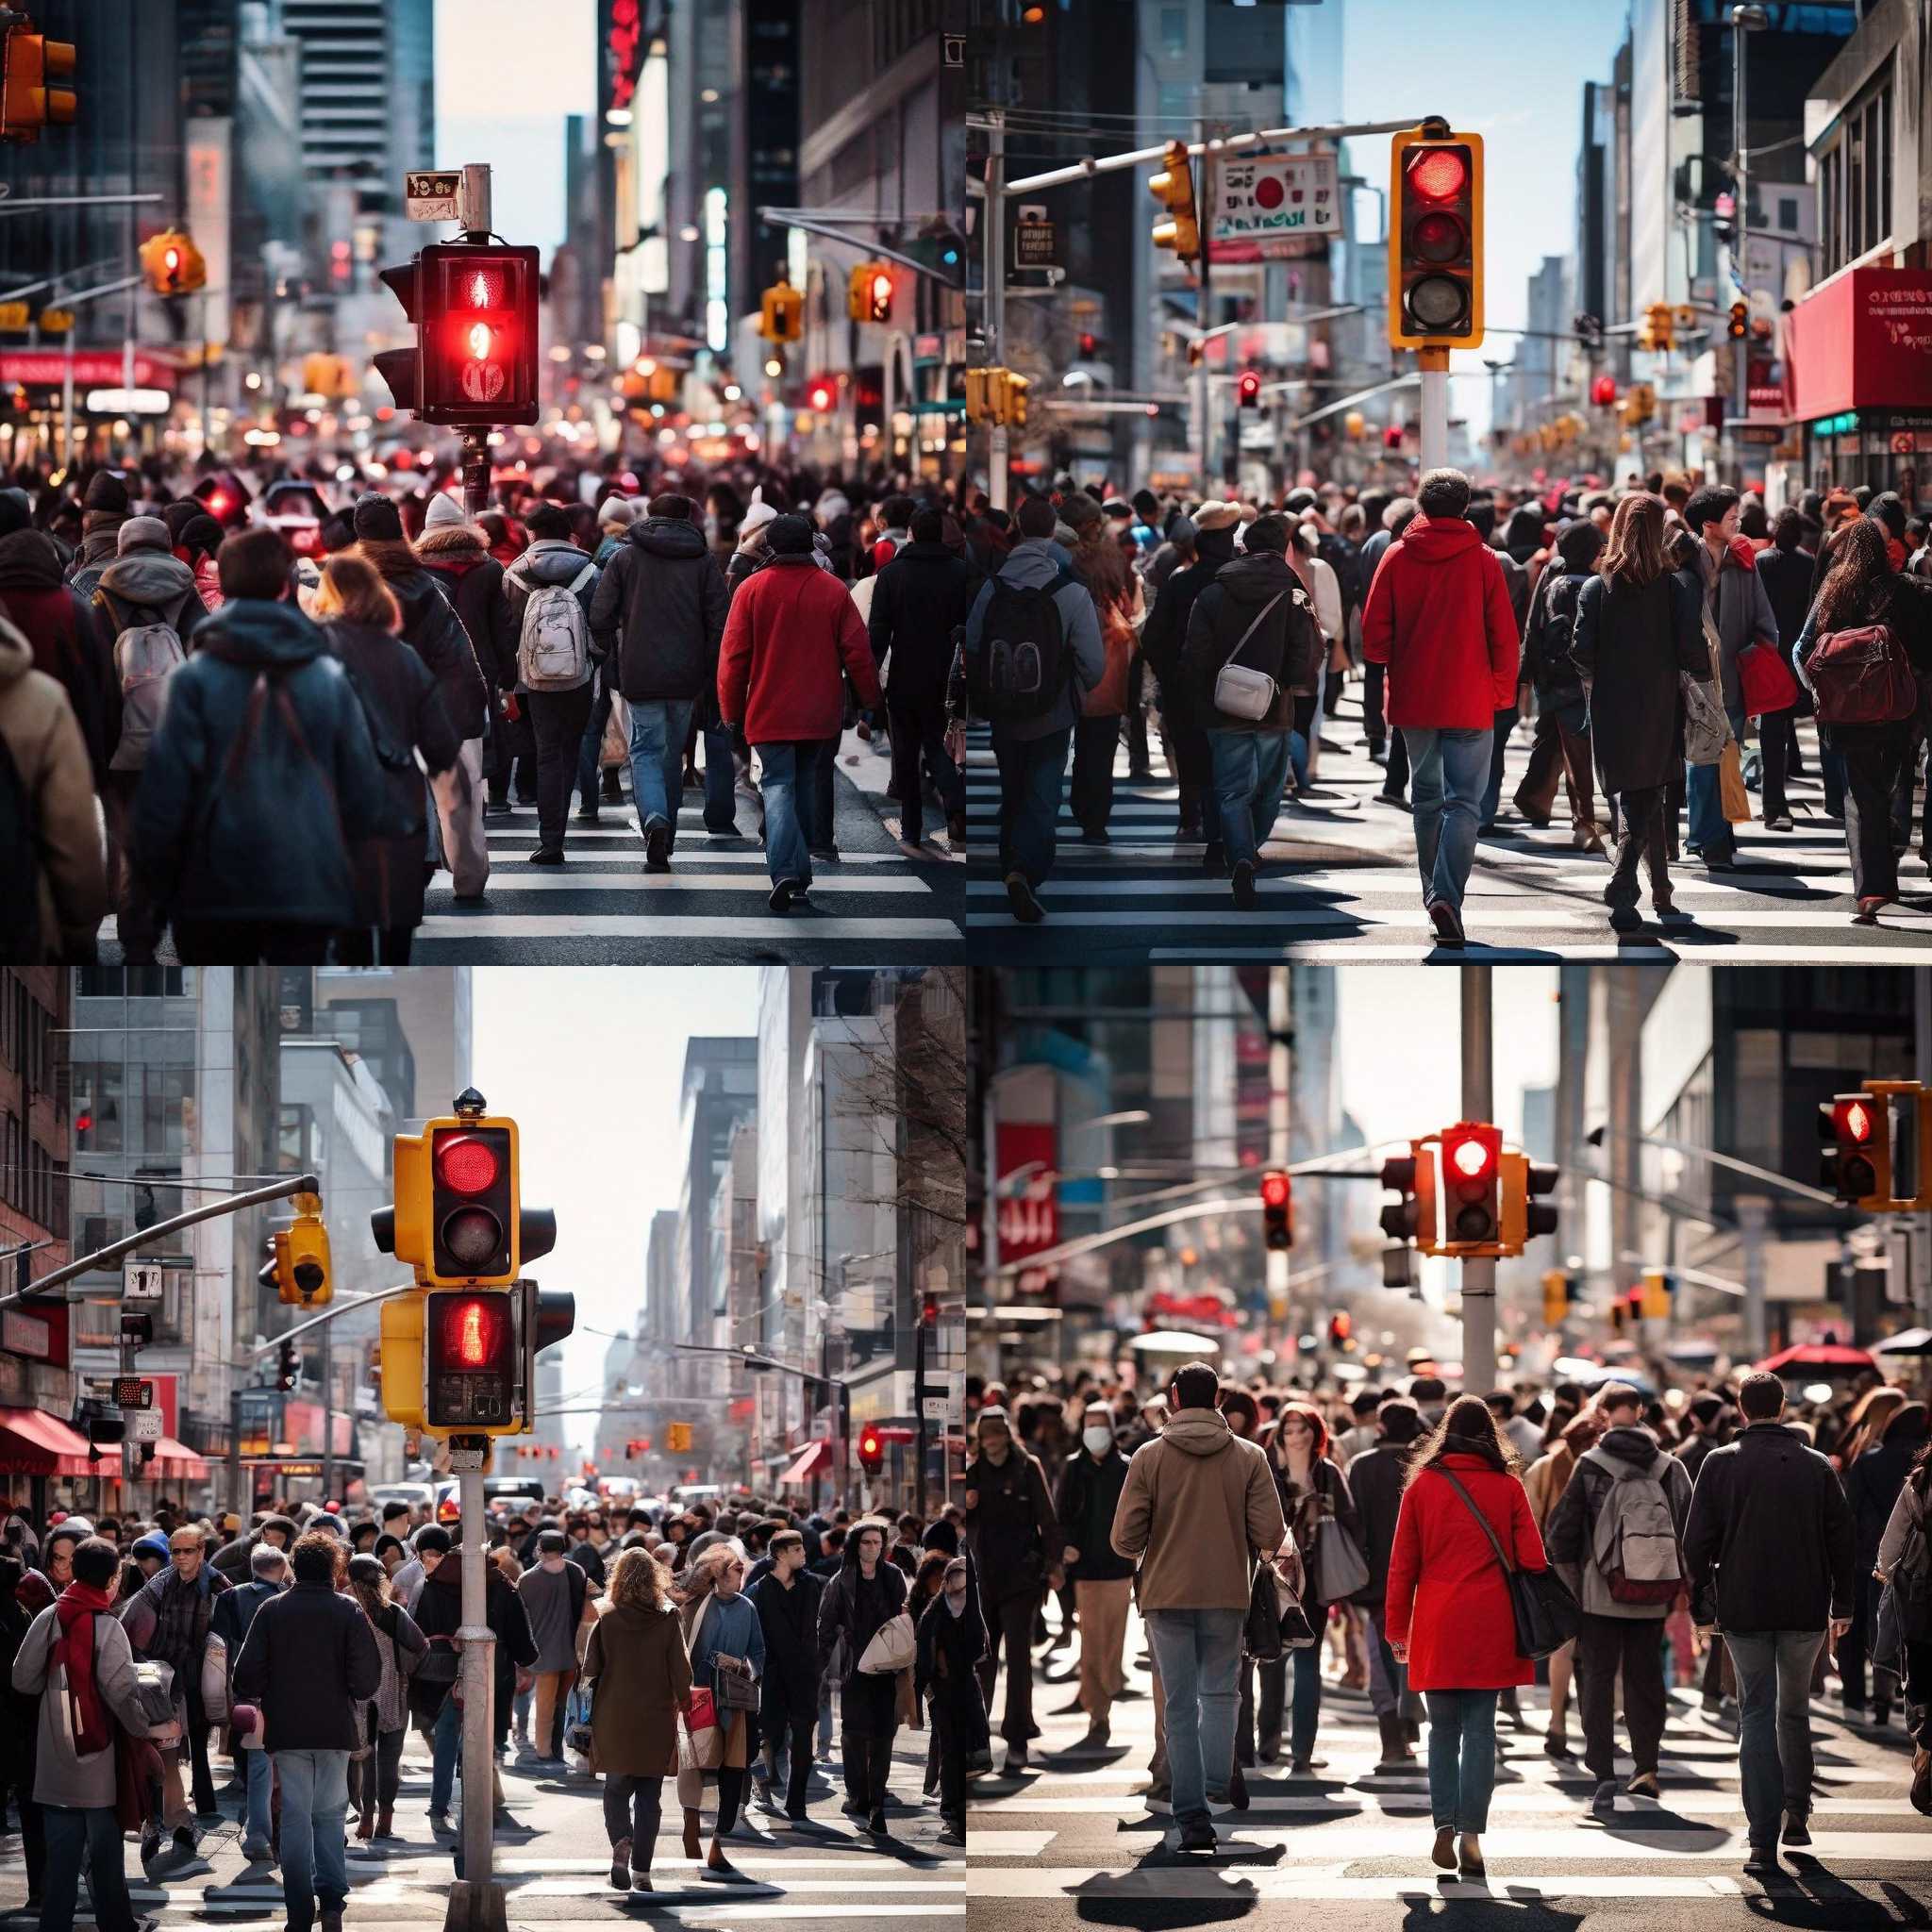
[
  {"x": 801, "y": 928},
  {"x": 566, "y": 878}
]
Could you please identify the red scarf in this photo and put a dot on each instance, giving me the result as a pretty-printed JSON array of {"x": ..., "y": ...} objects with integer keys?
[{"x": 74, "y": 1610}]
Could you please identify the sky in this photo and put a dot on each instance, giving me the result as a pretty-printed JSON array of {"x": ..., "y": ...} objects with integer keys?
[
  {"x": 588, "y": 1061},
  {"x": 507, "y": 74}
]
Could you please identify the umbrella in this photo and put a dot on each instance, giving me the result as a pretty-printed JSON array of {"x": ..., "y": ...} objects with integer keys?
[
  {"x": 1817, "y": 1355},
  {"x": 1908, "y": 1341},
  {"x": 1169, "y": 1341},
  {"x": 1591, "y": 1374},
  {"x": 1691, "y": 1353}
]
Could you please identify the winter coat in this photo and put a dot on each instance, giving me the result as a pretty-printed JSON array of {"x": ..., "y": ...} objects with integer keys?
[
  {"x": 789, "y": 1690},
  {"x": 40, "y": 736},
  {"x": 791, "y": 630},
  {"x": 235, "y": 818},
  {"x": 1740, "y": 607},
  {"x": 1571, "y": 1532},
  {"x": 639, "y": 1677},
  {"x": 100, "y": 543},
  {"x": 660, "y": 605},
  {"x": 432, "y": 629},
  {"x": 170, "y": 1620},
  {"x": 1303, "y": 1510},
  {"x": 1771, "y": 1543},
  {"x": 1447, "y": 1598},
  {"x": 438, "y": 1614},
  {"x": 919, "y": 600},
  {"x": 1164, "y": 634},
  {"x": 1439, "y": 615},
  {"x": 62, "y": 1776},
  {"x": 1199, "y": 1504},
  {"x": 1873, "y": 1482},
  {"x": 1628, "y": 648},
  {"x": 234, "y": 1611},
  {"x": 1374, "y": 1481},
  {"x": 945, "y": 1670},
  {"x": 1011, "y": 1526},
  {"x": 1285, "y": 645},
  {"x": 1547, "y": 640},
  {"x": 309, "y": 1658},
  {"x": 851, "y": 1612},
  {"x": 60, "y": 628},
  {"x": 456, "y": 557},
  {"x": 1098, "y": 563},
  {"x": 146, "y": 587},
  {"x": 1787, "y": 575},
  {"x": 1085, "y": 1503},
  {"x": 549, "y": 560},
  {"x": 405, "y": 714},
  {"x": 1034, "y": 565},
  {"x": 1904, "y": 604}
]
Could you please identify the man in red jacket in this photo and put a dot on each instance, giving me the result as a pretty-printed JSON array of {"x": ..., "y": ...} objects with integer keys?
[
  {"x": 1439, "y": 615},
  {"x": 792, "y": 627}
]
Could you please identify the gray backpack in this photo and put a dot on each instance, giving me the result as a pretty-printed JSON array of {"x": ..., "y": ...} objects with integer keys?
[
  {"x": 146, "y": 656},
  {"x": 554, "y": 646}
]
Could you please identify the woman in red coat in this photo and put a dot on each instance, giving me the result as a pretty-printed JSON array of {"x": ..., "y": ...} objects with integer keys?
[{"x": 1448, "y": 1612}]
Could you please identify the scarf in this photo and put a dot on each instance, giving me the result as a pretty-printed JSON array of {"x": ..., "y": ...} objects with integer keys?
[{"x": 74, "y": 1610}]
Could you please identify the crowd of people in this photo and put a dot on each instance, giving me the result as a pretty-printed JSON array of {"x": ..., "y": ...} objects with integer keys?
[
  {"x": 711, "y": 1646},
  {"x": 268, "y": 754},
  {"x": 1728, "y": 1538}
]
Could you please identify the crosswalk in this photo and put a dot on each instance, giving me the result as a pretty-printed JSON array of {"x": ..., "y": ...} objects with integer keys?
[
  {"x": 1339, "y": 880},
  {"x": 1073, "y": 1836}
]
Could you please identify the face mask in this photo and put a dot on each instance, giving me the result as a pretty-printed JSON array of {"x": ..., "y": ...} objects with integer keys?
[{"x": 1098, "y": 1439}]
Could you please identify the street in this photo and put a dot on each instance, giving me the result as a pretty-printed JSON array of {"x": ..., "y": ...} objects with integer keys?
[{"x": 1072, "y": 1843}]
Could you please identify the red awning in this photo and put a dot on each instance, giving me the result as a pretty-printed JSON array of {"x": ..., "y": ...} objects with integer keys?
[
  {"x": 1861, "y": 340},
  {"x": 34, "y": 1443},
  {"x": 178, "y": 1459},
  {"x": 815, "y": 1455}
]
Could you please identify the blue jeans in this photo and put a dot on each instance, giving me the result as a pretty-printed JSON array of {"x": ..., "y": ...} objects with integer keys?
[
  {"x": 658, "y": 728},
  {"x": 1199, "y": 1656},
  {"x": 261, "y": 1783},
  {"x": 1250, "y": 774},
  {"x": 446, "y": 1747},
  {"x": 315, "y": 1794},
  {"x": 788, "y": 777},
  {"x": 1708, "y": 831},
  {"x": 590, "y": 749},
  {"x": 1388, "y": 1679},
  {"x": 1306, "y": 1712},
  {"x": 1448, "y": 771},
  {"x": 1462, "y": 1758},
  {"x": 1773, "y": 1670},
  {"x": 93, "y": 1836},
  {"x": 1031, "y": 774}
]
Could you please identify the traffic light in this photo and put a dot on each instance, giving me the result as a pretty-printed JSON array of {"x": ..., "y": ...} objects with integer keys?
[
  {"x": 286, "y": 1369},
  {"x": 1524, "y": 1214},
  {"x": 1656, "y": 332},
  {"x": 1277, "y": 1211},
  {"x": 978, "y": 396},
  {"x": 472, "y": 1361},
  {"x": 1247, "y": 390},
  {"x": 1436, "y": 239},
  {"x": 1653, "y": 1296},
  {"x": 1014, "y": 398},
  {"x": 172, "y": 264},
  {"x": 400, "y": 1353},
  {"x": 473, "y": 305},
  {"x": 821, "y": 394},
  {"x": 1857, "y": 1163},
  {"x": 1173, "y": 188},
  {"x": 1602, "y": 392},
  {"x": 677, "y": 1439},
  {"x": 307, "y": 1281},
  {"x": 871, "y": 1450},
  {"x": 1471, "y": 1175},
  {"x": 1556, "y": 1297},
  {"x": 869, "y": 292},
  {"x": 781, "y": 313},
  {"x": 29, "y": 63},
  {"x": 1738, "y": 324},
  {"x": 1341, "y": 1330},
  {"x": 1413, "y": 1218}
]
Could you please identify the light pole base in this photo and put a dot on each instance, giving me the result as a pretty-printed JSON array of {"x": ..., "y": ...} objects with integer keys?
[{"x": 476, "y": 1906}]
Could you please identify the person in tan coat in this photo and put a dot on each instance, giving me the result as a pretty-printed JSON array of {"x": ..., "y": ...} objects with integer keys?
[
  {"x": 639, "y": 1677},
  {"x": 1198, "y": 1509},
  {"x": 43, "y": 745}
]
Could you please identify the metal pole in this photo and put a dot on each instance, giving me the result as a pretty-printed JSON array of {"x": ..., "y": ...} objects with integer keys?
[
  {"x": 918, "y": 1407},
  {"x": 1203, "y": 316},
  {"x": 1740, "y": 376},
  {"x": 469, "y": 1902},
  {"x": 67, "y": 407},
  {"x": 204, "y": 372},
  {"x": 1434, "y": 365},
  {"x": 1478, "y": 1103},
  {"x": 329, "y": 1410},
  {"x": 232, "y": 1472},
  {"x": 993, "y": 305},
  {"x": 1754, "y": 1214}
]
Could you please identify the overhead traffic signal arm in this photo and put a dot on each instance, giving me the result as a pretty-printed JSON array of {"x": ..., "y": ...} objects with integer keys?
[{"x": 1436, "y": 239}]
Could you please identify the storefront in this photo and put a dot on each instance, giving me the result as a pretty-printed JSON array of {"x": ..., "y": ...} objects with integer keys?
[{"x": 1858, "y": 359}]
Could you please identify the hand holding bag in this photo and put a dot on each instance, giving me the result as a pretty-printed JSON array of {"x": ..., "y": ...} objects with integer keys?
[
  {"x": 736, "y": 1691},
  {"x": 1261, "y": 1628},
  {"x": 1340, "y": 1569},
  {"x": 1545, "y": 1613},
  {"x": 1238, "y": 692},
  {"x": 893, "y": 1646}
]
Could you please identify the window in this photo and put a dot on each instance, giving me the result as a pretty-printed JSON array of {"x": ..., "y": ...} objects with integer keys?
[
  {"x": 1788, "y": 213},
  {"x": 1854, "y": 179}
]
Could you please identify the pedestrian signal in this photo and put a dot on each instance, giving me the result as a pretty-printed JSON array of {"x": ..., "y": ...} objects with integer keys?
[
  {"x": 472, "y": 1361},
  {"x": 1277, "y": 1211},
  {"x": 781, "y": 316},
  {"x": 1247, "y": 390},
  {"x": 871, "y": 1450},
  {"x": 1436, "y": 239},
  {"x": 1855, "y": 1165},
  {"x": 172, "y": 264},
  {"x": 1472, "y": 1152},
  {"x": 869, "y": 292},
  {"x": 1738, "y": 324},
  {"x": 474, "y": 306},
  {"x": 287, "y": 1373}
]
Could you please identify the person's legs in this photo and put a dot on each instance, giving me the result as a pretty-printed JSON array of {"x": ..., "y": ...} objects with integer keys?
[
  {"x": 617, "y": 1808},
  {"x": 1395, "y": 774},
  {"x": 260, "y": 1774},
  {"x": 1032, "y": 773},
  {"x": 800, "y": 1766},
  {"x": 1489, "y": 793},
  {"x": 1579, "y": 774},
  {"x": 656, "y": 736},
  {"x": 1445, "y": 1757},
  {"x": 329, "y": 1802},
  {"x": 1753, "y": 1658},
  {"x": 1709, "y": 832},
  {"x": 66, "y": 1831},
  {"x": 1465, "y": 773},
  {"x": 1773, "y": 749},
  {"x": 780, "y": 778},
  {"x": 1642, "y": 1658},
  {"x": 1424, "y": 751},
  {"x": 1235, "y": 765},
  {"x": 1218, "y": 1658},
  {"x": 1795, "y": 1651},
  {"x": 300, "y": 1775},
  {"x": 1598, "y": 1647},
  {"x": 730, "y": 1795},
  {"x": 458, "y": 793},
  {"x": 1537, "y": 791},
  {"x": 816, "y": 763},
  {"x": 1476, "y": 1778},
  {"x": 1172, "y": 1635},
  {"x": 557, "y": 717},
  {"x": 1272, "y": 1687},
  {"x": 1090, "y": 792},
  {"x": 1871, "y": 770},
  {"x": 389, "y": 1769},
  {"x": 1373, "y": 730},
  {"x": 446, "y": 1739},
  {"x": 646, "y": 1814},
  {"x": 1307, "y": 1701},
  {"x": 880, "y": 1750},
  {"x": 591, "y": 746},
  {"x": 1016, "y": 1621},
  {"x": 1271, "y": 782},
  {"x": 720, "y": 778},
  {"x": 906, "y": 745},
  {"x": 1562, "y": 1662},
  {"x": 1385, "y": 1685}
]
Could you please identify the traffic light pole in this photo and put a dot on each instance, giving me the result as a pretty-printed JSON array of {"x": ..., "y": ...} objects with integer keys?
[
  {"x": 475, "y": 1899},
  {"x": 1478, "y": 1103},
  {"x": 1434, "y": 455},
  {"x": 1203, "y": 312},
  {"x": 993, "y": 306}
]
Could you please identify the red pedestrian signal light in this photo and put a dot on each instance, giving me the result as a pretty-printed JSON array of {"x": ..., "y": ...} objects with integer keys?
[
  {"x": 474, "y": 310},
  {"x": 1436, "y": 239},
  {"x": 472, "y": 1361},
  {"x": 1248, "y": 390},
  {"x": 871, "y": 1450},
  {"x": 1738, "y": 324},
  {"x": 1854, "y": 1129},
  {"x": 1602, "y": 392},
  {"x": 1340, "y": 1328},
  {"x": 821, "y": 397},
  {"x": 1277, "y": 1211},
  {"x": 1472, "y": 1164}
]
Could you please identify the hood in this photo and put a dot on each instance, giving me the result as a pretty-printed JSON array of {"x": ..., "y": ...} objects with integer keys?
[
  {"x": 670, "y": 537},
  {"x": 1631, "y": 1443},
  {"x": 1910, "y": 1426},
  {"x": 930, "y": 551},
  {"x": 156, "y": 579},
  {"x": 554, "y": 560},
  {"x": 848, "y": 1557},
  {"x": 251, "y": 631},
  {"x": 1432, "y": 540},
  {"x": 101, "y": 538},
  {"x": 1199, "y": 1432},
  {"x": 16, "y": 655},
  {"x": 1034, "y": 565},
  {"x": 1256, "y": 577},
  {"x": 452, "y": 545},
  {"x": 30, "y": 560}
]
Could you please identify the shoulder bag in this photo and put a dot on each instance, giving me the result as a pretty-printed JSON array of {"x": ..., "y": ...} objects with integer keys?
[
  {"x": 1238, "y": 692},
  {"x": 1546, "y": 1614}
]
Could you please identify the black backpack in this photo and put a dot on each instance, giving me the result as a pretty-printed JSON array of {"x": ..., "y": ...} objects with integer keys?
[
  {"x": 1024, "y": 663},
  {"x": 19, "y": 866}
]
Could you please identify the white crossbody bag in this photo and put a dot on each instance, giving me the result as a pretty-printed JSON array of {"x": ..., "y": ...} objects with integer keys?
[{"x": 1238, "y": 692}]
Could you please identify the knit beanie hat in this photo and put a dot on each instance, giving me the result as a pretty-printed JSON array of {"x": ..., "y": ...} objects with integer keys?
[
  {"x": 378, "y": 519},
  {"x": 616, "y": 513},
  {"x": 142, "y": 533},
  {"x": 789, "y": 536},
  {"x": 444, "y": 510},
  {"x": 106, "y": 490}
]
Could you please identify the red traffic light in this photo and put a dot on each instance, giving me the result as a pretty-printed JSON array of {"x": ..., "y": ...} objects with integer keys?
[
  {"x": 1276, "y": 1187},
  {"x": 1853, "y": 1120},
  {"x": 1438, "y": 173},
  {"x": 1602, "y": 392},
  {"x": 1470, "y": 1156},
  {"x": 1391, "y": 436},
  {"x": 466, "y": 1163},
  {"x": 1248, "y": 389},
  {"x": 872, "y": 1448},
  {"x": 820, "y": 396}
]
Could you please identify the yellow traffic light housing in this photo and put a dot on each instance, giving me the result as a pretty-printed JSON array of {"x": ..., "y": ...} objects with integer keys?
[
  {"x": 400, "y": 1353},
  {"x": 29, "y": 64},
  {"x": 1524, "y": 1216},
  {"x": 869, "y": 291},
  {"x": 172, "y": 264},
  {"x": 1173, "y": 188},
  {"x": 1655, "y": 1295},
  {"x": 1556, "y": 1297},
  {"x": 677, "y": 1439},
  {"x": 303, "y": 1271},
  {"x": 1016, "y": 388},
  {"x": 1738, "y": 324},
  {"x": 1435, "y": 239},
  {"x": 978, "y": 396},
  {"x": 781, "y": 317}
]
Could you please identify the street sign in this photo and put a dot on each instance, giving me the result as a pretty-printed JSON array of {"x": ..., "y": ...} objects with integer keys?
[
  {"x": 1035, "y": 243},
  {"x": 432, "y": 197},
  {"x": 935, "y": 1408},
  {"x": 1269, "y": 206},
  {"x": 141, "y": 1281},
  {"x": 133, "y": 1392},
  {"x": 144, "y": 1424}
]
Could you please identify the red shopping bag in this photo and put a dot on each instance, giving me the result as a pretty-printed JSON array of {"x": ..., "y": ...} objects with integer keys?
[{"x": 1766, "y": 681}]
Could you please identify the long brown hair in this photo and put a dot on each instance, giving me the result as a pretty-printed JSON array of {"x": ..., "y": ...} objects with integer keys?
[
  {"x": 1859, "y": 581},
  {"x": 1467, "y": 1428},
  {"x": 1635, "y": 554},
  {"x": 354, "y": 589},
  {"x": 1869, "y": 1420}
]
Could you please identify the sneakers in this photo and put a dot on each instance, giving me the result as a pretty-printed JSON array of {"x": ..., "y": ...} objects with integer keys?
[
  {"x": 1197, "y": 1835},
  {"x": 1245, "y": 894},
  {"x": 1020, "y": 896},
  {"x": 1447, "y": 922},
  {"x": 656, "y": 846},
  {"x": 784, "y": 893},
  {"x": 546, "y": 855}
]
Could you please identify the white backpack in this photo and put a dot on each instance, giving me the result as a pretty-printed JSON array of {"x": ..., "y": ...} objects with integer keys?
[
  {"x": 145, "y": 656},
  {"x": 1634, "y": 1554},
  {"x": 554, "y": 648}
]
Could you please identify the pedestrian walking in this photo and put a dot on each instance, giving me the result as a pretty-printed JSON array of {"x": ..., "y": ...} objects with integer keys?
[
  {"x": 105, "y": 506},
  {"x": 1638, "y": 633},
  {"x": 1198, "y": 1511},
  {"x": 1377, "y": 1476},
  {"x": 1017, "y": 1543},
  {"x": 1201, "y": 544},
  {"x": 556, "y": 1596},
  {"x": 1085, "y": 1504},
  {"x": 1616, "y": 1539},
  {"x": 865, "y": 1596},
  {"x": 1033, "y": 651},
  {"x": 952, "y": 1637},
  {"x": 786, "y": 1599},
  {"x": 61, "y": 635},
  {"x": 638, "y": 1676},
  {"x": 1560, "y": 752},
  {"x": 1872, "y": 1477},
  {"x": 309, "y": 1658},
  {"x": 1449, "y": 1619},
  {"x": 658, "y": 614},
  {"x": 375, "y": 1765},
  {"x": 727, "y": 1644},
  {"x": 1101, "y": 567},
  {"x": 234, "y": 1612},
  {"x": 453, "y": 553},
  {"x": 1770, "y": 1550},
  {"x": 1439, "y": 616}
]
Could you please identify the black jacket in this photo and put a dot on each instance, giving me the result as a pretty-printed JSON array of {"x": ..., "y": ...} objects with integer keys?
[
  {"x": 1873, "y": 1482},
  {"x": 1285, "y": 645},
  {"x": 242, "y": 814},
  {"x": 1084, "y": 1501},
  {"x": 1629, "y": 645},
  {"x": 1547, "y": 640},
  {"x": 458, "y": 559},
  {"x": 1011, "y": 1526},
  {"x": 433, "y": 630},
  {"x": 1770, "y": 1544},
  {"x": 1787, "y": 575},
  {"x": 1374, "y": 1480},
  {"x": 789, "y": 1690},
  {"x": 919, "y": 600},
  {"x": 438, "y": 1614},
  {"x": 309, "y": 1657},
  {"x": 853, "y": 1609},
  {"x": 662, "y": 604},
  {"x": 945, "y": 1670}
]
